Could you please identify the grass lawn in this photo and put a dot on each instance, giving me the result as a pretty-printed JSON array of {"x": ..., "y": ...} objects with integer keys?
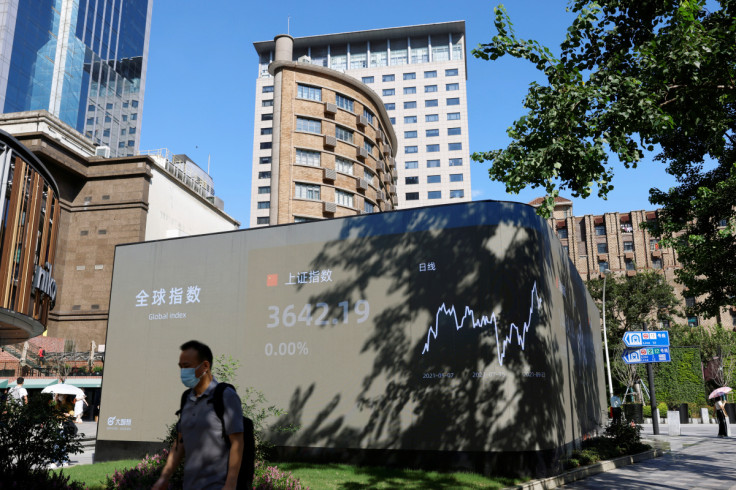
[{"x": 326, "y": 476}]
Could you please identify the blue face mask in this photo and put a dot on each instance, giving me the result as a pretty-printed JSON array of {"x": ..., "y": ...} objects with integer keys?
[{"x": 188, "y": 378}]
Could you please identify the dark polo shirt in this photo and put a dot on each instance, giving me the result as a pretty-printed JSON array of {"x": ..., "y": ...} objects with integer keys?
[{"x": 206, "y": 452}]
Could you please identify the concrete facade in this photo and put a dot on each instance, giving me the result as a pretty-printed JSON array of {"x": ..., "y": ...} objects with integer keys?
[
  {"x": 419, "y": 72},
  {"x": 104, "y": 202}
]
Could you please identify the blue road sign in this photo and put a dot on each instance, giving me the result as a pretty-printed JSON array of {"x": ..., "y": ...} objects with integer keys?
[
  {"x": 646, "y": 354},
  {"x": 647, "y": 339}
]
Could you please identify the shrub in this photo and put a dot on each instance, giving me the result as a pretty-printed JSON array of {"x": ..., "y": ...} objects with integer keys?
[
  {"x": 143, "y": 475},
  {"x": 37, "y": 478},
  {"x": 647, "y": 411},
  {"x": 662, "y": 407},
  {"x": 270, "y": 477}
]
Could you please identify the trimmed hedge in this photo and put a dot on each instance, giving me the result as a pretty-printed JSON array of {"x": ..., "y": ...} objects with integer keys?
[{"x": 680, "y": 381}]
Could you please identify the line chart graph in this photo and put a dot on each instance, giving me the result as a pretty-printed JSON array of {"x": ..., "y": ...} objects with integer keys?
[{"x": 484, "y": 321}]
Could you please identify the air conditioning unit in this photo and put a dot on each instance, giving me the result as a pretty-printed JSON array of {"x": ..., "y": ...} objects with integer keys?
[
  {"x": 380, "y": 196},
  {"x": 330, "y": 108},
  {"x": 394, "y": 174},
  {"x": 102, "y": 151},
  {"x": 379, "y": 136},
  {"x": 392, "y": 189},
  {"x": 362, "y": 121},
  {"x": 362, "y": 184},
  {"x": 330, "y": 140},
  {"x": 380, "y": 166},
  {"x": 330, "y": 174},
  {"x": 329, "y": 207},
  {"x": 362, "y": 153}
]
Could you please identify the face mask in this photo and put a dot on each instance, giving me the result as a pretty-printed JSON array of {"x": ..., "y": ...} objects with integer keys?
[{"x": 188, "y": 378}]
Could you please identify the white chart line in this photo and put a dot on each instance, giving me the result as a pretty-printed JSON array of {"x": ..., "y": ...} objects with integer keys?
[{"x": 483, "y": 321}]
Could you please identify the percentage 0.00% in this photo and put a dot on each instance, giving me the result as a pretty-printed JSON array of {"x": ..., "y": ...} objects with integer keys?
[{"x": 287, "y": 349}]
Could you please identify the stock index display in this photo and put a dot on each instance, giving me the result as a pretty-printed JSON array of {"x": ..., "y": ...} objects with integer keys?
[{"x": 451, "y": 328}]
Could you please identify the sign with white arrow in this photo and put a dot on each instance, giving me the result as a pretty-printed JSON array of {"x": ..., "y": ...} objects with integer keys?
[
  {"x": 647, "y": 339},
  {"x": 646, "y": 354}
]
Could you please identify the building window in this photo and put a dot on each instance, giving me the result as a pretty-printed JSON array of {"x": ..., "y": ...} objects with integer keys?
[
  {"x": 456, "y": 162},
  {"x": 343, "y": 198},
  {"x": 266, "y": 117},
  {"x": 267, "y": 103},
  {"x": 410, "y": 119},
  {"x": 656, "y": 263},
  {"x": 430, "y": 88},
  {"x": 266, "y": 131},
  {"x": 388, "y": 92},
  {"x": 692, "y": 321},
  {"x": 434, "y": 195},
  {"x": 263, "y": 220},
  {"x": 451, "y": 72},
  {"x": 343, "y": 165},
  {"x": 306, "y": 191},
  {"x": 343, "y": 134},
  {"x": 134, "y": 117},
  {"x": 264, "y": 160},
  {"x": 653, "y": 244},
  {"x": 628, "y": 246},
  {"x": 627, "y": 228},
  {"x": 602, "y": 266},
  {"x": 432, "y": 132},
  {"x": 368, "y": 115},
  {"x": 630, "y": 266},
  {"x": 453, "y": 116},
  {"x": 453, "y": 101},
  {"x": 368, "y": 175},
  {"x": 453, "y": 131},
  {"x": 266, "y": 145},
  {"x": 389, "y": 78},
  {"x": 433, "y": 163},
  {"x": 264, "y": 189},
  {"x": 722, "y": 223},
  {"x": 457, "y": 194},
  {"x": 412, "y": 196},
  {"x": 410, "y": 134},
  {"x": 344, "y": 102},
  {"x": 392, "y": 120},
  {"x": 410, "y": 105},
  {"x": 434, "y": 179},
  {"x": 410, "y": 90},
  {"x": 411, "y": 180},
  {"x": 602, "y": 248},
  {"x": 690, "y": 302},
  {"x": 430, "y": 74},
  {"x": 367, "y": 80},
  {"x": 452, "y": 86},
  {"x": 267, "y": 89},
  {"x": 600, "y": 230},
  {"x": 308, "y": 92},
  {"x": 411, "y": 165},
  {"x": 455, "y": 146},
  {"x": 390, "y": 106},
  {"x": 456, "y": 177},
  {"x": 431, "y": 118},
  {"x": 264, "y": 204},
  {"x": 307, "y": 157},
  {"x": 106, "y": 133},
  {"x": 431, "y": 103},
  {"x": 410, "y": 76},
  {"x": 369, "y": 207},
  {"x": 433, "y": 148},
  {"x": 562, "y": 232},
  {"x": 264, "y": 175},
  {"x": 368, "y": 146},
  {"x": 411, "y": 149}
]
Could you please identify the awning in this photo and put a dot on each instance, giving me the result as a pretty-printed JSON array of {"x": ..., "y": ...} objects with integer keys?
[
  {"x": 85, "y": 383},
  {"x": 3, "y": 383},
  {"x": 35, "y": 383}
]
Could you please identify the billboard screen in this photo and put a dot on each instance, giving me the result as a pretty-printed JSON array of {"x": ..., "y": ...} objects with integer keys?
[{"x": 453, "y": 328}]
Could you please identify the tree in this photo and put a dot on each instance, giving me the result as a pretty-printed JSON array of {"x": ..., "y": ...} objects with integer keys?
[{"x": 634, "y": 76}]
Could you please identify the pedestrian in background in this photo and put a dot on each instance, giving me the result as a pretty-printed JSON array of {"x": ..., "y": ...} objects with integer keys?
[
  {"x": 18, "y": 393},
  {"x": 721, "y": 416}
]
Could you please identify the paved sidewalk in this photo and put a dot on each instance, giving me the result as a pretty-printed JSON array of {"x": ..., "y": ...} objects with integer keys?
[
  {"x": 697, "y": 459},
  {"x": 88, "y": 431}
]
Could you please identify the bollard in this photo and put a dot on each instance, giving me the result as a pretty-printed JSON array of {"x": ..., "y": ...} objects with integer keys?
[
  {"x": 673, "y": 423},
  {"x": 704, "y": 416}
]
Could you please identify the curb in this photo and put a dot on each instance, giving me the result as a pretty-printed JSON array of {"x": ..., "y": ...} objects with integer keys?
[{"x": 594, "y": 469}]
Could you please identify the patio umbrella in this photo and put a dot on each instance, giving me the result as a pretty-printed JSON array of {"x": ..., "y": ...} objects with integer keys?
[
  {"x": 719, "y": 391},
  {"x": 63, "y": 389}
]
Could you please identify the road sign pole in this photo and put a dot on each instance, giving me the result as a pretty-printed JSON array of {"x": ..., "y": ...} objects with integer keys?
[{"x": 652, "y": 397}]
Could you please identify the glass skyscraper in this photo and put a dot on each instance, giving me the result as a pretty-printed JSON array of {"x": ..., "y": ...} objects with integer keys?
[{"x": 84, "y": 61}]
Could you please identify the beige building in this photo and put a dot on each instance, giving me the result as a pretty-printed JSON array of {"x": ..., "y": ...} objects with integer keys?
[
  {"x": 105, "y": 202},
  {"x": 618, "y": 242},
  {"x": 331, "y": 145}
]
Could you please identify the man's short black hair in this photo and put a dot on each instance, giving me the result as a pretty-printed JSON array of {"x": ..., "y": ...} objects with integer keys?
[
  {"x": 20, "y": 380},
  {"x": 204, "y": 353}
]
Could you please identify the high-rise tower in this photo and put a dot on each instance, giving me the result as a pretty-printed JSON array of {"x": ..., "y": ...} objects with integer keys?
[
  {"x": 419, "y": 72},
  {"x": 84, "y": 61}
]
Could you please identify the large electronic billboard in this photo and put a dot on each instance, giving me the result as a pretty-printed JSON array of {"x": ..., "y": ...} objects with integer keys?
[{"x": 455, "y": 328}]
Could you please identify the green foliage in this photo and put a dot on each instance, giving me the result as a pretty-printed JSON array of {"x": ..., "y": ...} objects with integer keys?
[
  {"x": 647, "y": 411},
  {"x": 37, "y": 478},
  {"x": 662, "y": 407},
  {"x": 143, "y": 475},
  {"x": 35, "y": 435},
  {"x": 618, "y": 440},
  {"x": 631, "y": 77},
  {"x": 680, "y": 381}
]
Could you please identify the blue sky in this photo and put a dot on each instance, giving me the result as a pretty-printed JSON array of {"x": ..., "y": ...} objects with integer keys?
[{"x": 202, "y": 68}]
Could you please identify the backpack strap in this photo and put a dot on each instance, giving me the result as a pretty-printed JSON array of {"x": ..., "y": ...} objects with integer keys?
[
  {"x": 183, "y": 401},
  {"x": 218, "y": 403}
]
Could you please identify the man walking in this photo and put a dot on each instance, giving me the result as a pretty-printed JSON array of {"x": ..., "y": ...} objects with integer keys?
[
  {"x": 18, "y": 393},
  {"x": 212, "y": 462}
]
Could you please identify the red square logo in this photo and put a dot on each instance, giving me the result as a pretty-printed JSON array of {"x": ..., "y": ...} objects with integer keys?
[
  {"x": 272, "y": 280},
  {"x": 646, "y": 335}
]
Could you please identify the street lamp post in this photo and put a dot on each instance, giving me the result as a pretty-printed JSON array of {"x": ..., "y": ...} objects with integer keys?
[{"x": 605, "y": 334}]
